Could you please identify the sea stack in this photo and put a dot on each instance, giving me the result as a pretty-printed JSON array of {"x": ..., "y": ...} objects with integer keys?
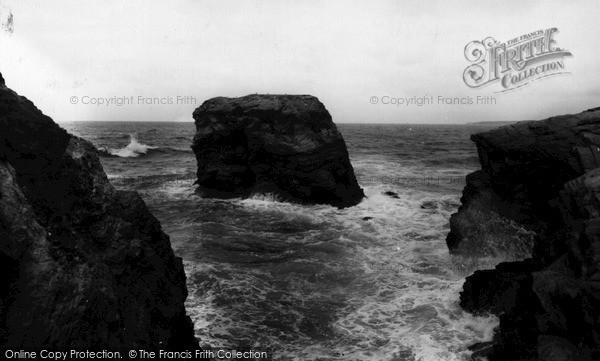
[
  {"x": 285, "y": 145},
  {"x": 540, "y": 183},
  {"x": 84, "y": 266}
]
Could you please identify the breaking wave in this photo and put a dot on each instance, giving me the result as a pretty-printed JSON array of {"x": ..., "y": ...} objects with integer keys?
[{"x": 135, "y": 149}]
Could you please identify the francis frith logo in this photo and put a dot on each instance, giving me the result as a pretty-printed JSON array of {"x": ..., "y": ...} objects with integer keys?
[{"x": 516, "y": 62}]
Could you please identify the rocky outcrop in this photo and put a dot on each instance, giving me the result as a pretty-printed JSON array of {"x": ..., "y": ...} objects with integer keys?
[
  {"x": 538, "y": 192},
  {"x": 286, "y": 145},
  {"x": 85, "y": 266}
]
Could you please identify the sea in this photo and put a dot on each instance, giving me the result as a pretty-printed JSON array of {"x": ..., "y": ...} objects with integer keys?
[{"x": 314, "y": 282}]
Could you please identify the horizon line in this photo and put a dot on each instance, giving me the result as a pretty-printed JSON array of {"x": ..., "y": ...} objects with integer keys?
[{"x": 359, "y": 123}]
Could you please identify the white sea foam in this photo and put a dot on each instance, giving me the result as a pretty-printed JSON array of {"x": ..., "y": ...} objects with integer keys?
[
  {"x": 133, "y": 149},
  {"x": 370, "y": 282},
  {"x": 178, "y": 188},
  {"x": 260, "y": 198},
  {"x": 404, "y": 308}
]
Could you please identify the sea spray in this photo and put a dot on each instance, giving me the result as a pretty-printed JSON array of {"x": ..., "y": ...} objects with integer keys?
[{"x": 133, "y": 149}]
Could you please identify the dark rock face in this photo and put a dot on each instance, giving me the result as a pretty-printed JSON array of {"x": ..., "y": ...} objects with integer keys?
[
  {"x": 286, "y": 145},
  {"x": 540, "y": 186},
  {"x": 84, "y": 265},
  {"x": 391, "y": 194}
]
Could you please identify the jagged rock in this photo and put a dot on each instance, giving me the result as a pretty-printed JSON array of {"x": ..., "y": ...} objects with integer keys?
[
  {"x": 84, "y": 266},
  {"x": 497, "y": 291},
  {"x": 541, "y": 177},
  {"x": 524, "y": 166},
  {"x": 285, "y": 145}
]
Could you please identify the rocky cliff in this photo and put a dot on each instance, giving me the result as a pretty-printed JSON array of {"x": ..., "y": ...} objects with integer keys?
[
  {"x": 285, "y": 145},
  {"x": 538, "y": 192},
  {"x": 85, "y": 266}
]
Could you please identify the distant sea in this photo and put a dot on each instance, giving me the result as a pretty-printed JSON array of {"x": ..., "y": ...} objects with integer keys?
[{"x": 370, "y": 282}]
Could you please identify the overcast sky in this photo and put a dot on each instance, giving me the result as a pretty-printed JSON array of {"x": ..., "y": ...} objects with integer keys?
[{"x": 343, "y": 52}]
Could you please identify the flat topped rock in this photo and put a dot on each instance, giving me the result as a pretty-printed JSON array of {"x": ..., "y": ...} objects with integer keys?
[
  {"x": 300, "y": 122},
  {"x": 286, "y": 145},
  {"x": 300, "y": 105}
]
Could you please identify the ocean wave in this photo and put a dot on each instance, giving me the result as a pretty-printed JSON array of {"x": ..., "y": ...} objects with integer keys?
[
  {"x": 136, "y": 149},
  {"x": 404, "y": 305},
  {"x": 370, "y": 282}
]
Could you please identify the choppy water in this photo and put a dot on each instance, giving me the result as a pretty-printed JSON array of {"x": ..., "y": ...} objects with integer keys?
[{"x": 371, "y": 282}]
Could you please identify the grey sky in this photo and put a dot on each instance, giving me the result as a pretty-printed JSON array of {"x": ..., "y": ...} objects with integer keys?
[{"x": 343, "y": 52}]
